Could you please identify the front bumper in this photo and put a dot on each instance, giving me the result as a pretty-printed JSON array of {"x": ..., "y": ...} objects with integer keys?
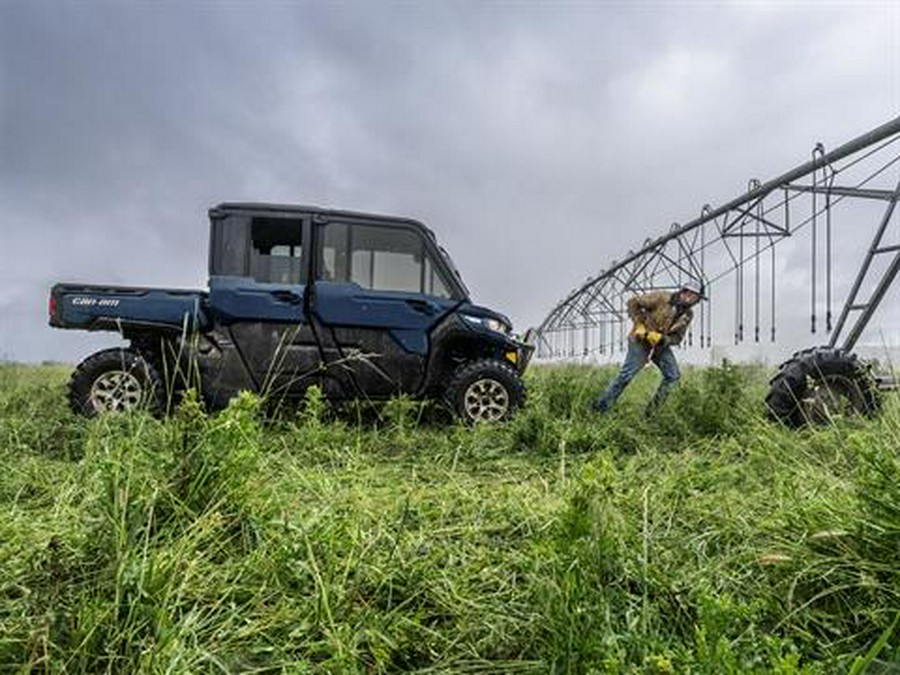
[
  {"x": 519, "y": 352},
  {"x": 526, "y": 351}
]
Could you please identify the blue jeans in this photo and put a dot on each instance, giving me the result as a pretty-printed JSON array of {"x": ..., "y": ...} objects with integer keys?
[{"x": 637, "y": 357}]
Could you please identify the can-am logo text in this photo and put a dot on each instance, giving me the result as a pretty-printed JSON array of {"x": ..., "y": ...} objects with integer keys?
[{"x": 91, "y": 302}]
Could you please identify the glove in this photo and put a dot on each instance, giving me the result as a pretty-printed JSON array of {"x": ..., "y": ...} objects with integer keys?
[
  {"x": 653, "y": 338},
  {"x": 640, "y": 332}
]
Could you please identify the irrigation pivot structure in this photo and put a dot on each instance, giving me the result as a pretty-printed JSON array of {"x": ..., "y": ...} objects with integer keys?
[{"x": 738, "y": 241}]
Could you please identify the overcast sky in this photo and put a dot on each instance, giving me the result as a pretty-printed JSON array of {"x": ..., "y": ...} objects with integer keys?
[{"x": 539, "y": 140}]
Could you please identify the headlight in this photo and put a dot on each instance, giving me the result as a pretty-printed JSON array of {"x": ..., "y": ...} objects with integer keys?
[
  {"x": 497, "y": 325},
  {"x": 489, "y": 323}
]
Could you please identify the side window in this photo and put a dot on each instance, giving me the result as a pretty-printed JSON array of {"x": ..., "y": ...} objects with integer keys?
[
  {"x": 380, "y": 258},
  {"x": 386, "y": 259},
  {"x": 276, "y": 250}
]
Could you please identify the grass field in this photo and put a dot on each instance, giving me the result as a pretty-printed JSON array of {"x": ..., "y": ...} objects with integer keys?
[{"x": 705, "y": 540}]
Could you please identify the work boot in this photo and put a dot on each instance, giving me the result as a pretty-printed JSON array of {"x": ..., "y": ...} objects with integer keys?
[
  {"x": 653, "y": 407},
  {"x": 600, "y": 406}
]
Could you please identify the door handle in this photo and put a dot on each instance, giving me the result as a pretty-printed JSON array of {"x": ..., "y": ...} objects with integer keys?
[
  {"x": 288, "y": 297},
  {"x": 423, "y": 306}
]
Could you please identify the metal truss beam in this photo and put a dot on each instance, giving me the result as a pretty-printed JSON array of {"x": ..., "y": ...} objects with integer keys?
[{"x": 755, "y": 223}]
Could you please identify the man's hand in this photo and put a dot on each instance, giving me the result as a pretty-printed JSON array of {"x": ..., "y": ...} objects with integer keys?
[
  {"x": 640, "y": 332},
  {"x": 654, "y": 338}
]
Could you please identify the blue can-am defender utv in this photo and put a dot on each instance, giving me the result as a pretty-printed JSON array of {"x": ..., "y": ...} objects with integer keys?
[{"x": 364, "y": 306}]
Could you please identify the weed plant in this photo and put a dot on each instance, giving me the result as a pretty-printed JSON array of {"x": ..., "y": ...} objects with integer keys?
[{"x": 703, "y": 540}]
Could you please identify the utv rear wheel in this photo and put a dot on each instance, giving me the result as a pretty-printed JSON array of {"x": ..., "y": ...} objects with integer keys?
[
  {"x": 820, "y": 384},
  {"x": 115, "y": 380},
  {"x": 485, "y": 391}
]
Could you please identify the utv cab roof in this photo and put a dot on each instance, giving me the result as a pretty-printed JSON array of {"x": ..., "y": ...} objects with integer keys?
[{"x": 298, "y": 209}]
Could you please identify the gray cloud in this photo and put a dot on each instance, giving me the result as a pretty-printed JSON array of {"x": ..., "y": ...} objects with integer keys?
[{"x": 539, "y": 140}]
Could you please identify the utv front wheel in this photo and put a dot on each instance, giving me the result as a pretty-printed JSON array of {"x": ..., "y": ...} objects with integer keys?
[
  {"x": 115, "y": 380},
  {"x": 485, "y": 391}
]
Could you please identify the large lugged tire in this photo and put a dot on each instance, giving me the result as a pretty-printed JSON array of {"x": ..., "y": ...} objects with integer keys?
[
  {"x": 116, "y": 380},
  {"x": 816, "y": 385},
  {"x": 485, "y": 391}
]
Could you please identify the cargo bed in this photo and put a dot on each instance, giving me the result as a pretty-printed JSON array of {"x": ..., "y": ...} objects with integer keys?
[{"x": 114, "y": 308}]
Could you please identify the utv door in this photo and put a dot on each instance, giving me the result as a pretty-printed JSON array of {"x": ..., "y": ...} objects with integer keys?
[
  {"x": 377, "y": 295},
  {"x": 263, "y": 309}
]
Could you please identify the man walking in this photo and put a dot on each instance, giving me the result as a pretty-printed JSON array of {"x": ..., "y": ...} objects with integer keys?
[{"x": 660, "y": 321}]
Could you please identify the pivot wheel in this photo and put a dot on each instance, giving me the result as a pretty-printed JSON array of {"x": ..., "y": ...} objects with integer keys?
[
  {"x": 818, "y": 385},
  {"x": 830, "y": 397},
  {"x": 115, "y": 380},
  {"x": 485, "y": 391}
]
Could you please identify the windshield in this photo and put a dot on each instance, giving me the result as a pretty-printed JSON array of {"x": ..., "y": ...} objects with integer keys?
[{"x": 452, "y": 266}]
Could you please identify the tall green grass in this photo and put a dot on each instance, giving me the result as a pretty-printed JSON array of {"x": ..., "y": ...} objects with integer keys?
[{"x": 704, "y": 540}]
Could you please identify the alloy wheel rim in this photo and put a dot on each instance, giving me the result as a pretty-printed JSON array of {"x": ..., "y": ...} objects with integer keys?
[
  {"x": 116, "y": 391},
  {"x": 486, "y": 400}
]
